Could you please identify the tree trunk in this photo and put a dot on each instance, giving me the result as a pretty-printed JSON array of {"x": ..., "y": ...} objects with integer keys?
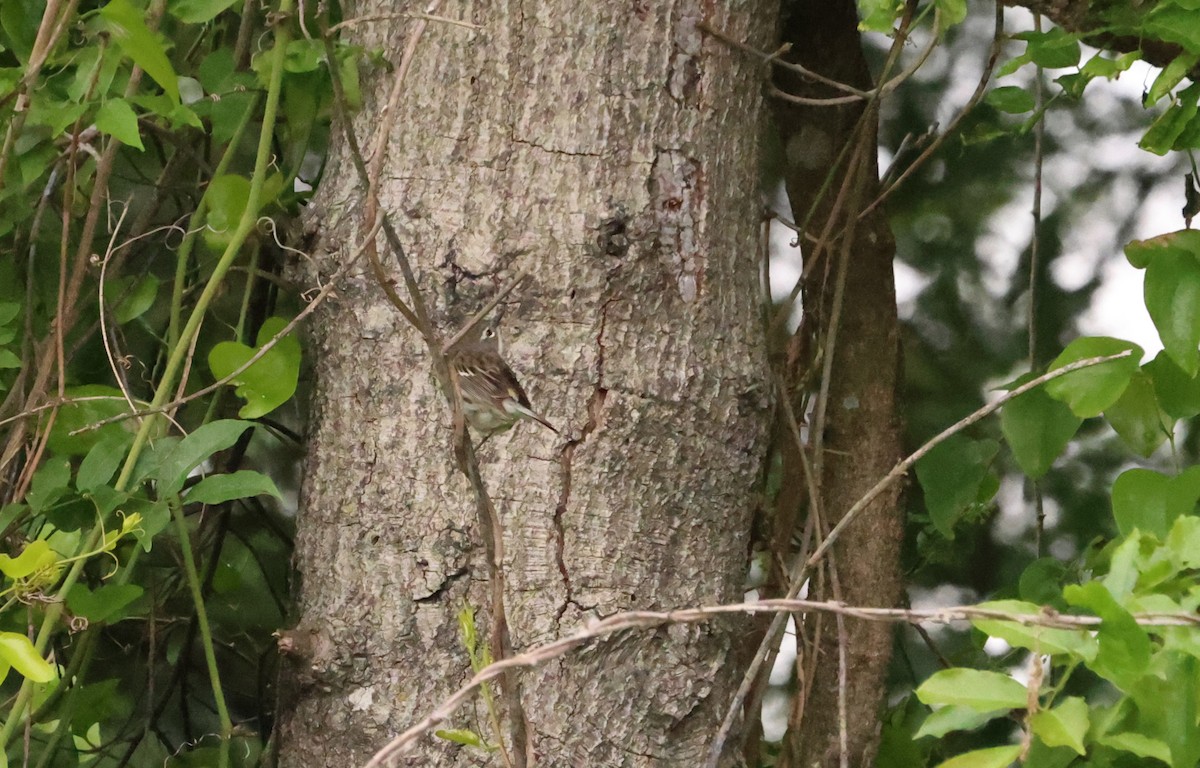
[
  {"x": 611, "y": 152},
  {"x": 850, "y": 289}
]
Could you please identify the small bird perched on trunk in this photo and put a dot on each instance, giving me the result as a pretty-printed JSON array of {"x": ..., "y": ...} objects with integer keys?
[{"x": 493, "y": 400}]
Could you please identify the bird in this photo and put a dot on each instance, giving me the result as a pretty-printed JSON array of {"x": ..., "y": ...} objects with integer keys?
[{"x": 492, "y": 397}]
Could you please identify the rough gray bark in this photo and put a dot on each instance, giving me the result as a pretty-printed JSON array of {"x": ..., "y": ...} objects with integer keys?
[{"x": 611, "y": 152}]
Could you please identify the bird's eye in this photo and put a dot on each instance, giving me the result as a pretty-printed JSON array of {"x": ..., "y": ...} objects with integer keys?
[{"x": 489, "y": 333}]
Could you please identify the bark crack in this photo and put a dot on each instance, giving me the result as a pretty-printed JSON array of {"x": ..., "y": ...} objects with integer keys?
[
  {"x": 442, "y": 588},
  {"x": 556, "y": 151},
  {"x": 595, "y": 410}
]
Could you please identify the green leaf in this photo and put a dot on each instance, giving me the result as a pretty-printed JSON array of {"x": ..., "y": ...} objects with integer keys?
[
  {"x": 1168, "y": 709},
  {"x": 1170, "y": 76},
  {"x": 993, "y": 757},
  {"x": 9, "y": 360},
  {"x": 50, "y": 483},
  {"x": 196, "y": 448},
  {"x": 244, "y": 483},
  {"x": 54, "y": 114},
  {"x": 18, "y": 652},
  {"x": 130, "y": 297},
  {"x": 9, "y": 311},
  {"x": 198, "y": 11},
  {"x": 104, "y": 604},
  {"x": 77, "y": 415},
  {"x": 460, "y": 736},
  {"x": 1124, "y": 651},
  {"x": 953, "y": 12},
  {"x": 1184, "y": 242},
  {"x": 1011, "y": 99},
  {"x": 1041, "y": 582},
  {"x": 1145, "y": 500},
  {"x": 1184, "y": 542},
  {"x": 98, "y": 467},
  {"x": 1053, "y": 49},
  {"x": 20, "y": 22},
  {"x": 1037, "y": 428},
  {"x": 271, "y": 380},
  {"x": 1045, "y": 640},
  {"x": 129, "y": 30},
  {"x": 1172, "y": 292},
  {"x": 303, "y": 55},
  {"x": 977, "y": 689},
  {"x": 1136, "y": 416},
  {"x": 1090, "y": 390},
  {"x": 117, "y": 119},
  {"x": 952, "y": 475},
  {"x": 1063, "y": 726},
  {"x": 227, "y": 198},
  {"x": 1166, "y": 130},
  {"x": 955, "y": 718},
  {"x": 878, "y": 15},
  {"x": 1140, "y": 745},
  {"x": 348, "y": 69},
  {"x": 1178, "y": 393},
  {"x": 36, "y": 556},
  {"x": 155, "y": 517},
  {"x": 1174, "y": 22}
]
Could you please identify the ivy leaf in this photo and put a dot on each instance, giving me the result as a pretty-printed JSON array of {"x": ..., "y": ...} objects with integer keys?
[
  {"x": 1172, "y": 293},
  {"x": 1137, "y": 417},
  {"x": 1178, "y": 393},
  {"x": 1037, "y": 428},
  {"x": 1145, "y": 500},
  {"x": 103, "y": 604},
  {"x": 84, "y": 411},
  {"x": 878, "y": 15},
  {"x": 271, "y": 380},
  {"x": 952, "y": 476},
  {"x": 1088, "y": 391}
]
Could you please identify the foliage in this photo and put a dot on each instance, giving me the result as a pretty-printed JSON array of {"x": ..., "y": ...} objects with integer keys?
[
  {"x": 149, "y": 151},
  {"x": 187, "y": 130},
  {"x": 1122, "y": 694}
]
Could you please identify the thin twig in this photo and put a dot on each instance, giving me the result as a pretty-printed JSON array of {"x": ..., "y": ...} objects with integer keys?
[
  {"x": 976, "y": 97},
  {"x": 267, "y": 346},
  {"x": 902, "y": 468},
  {"x": 654, "y": 619}
]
